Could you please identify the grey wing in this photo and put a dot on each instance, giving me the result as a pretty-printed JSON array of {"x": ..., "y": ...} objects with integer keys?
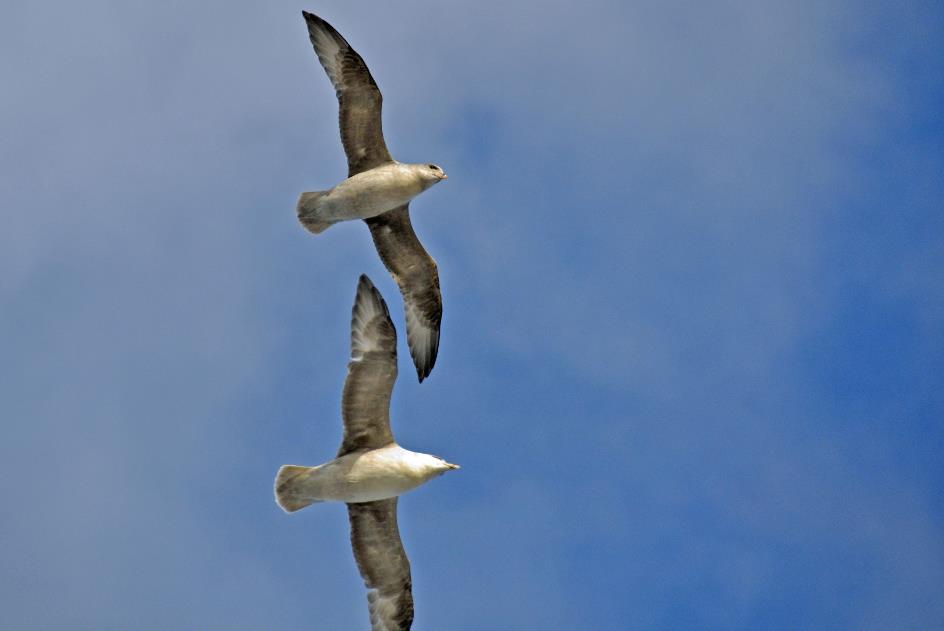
[
  {"x": 358, "y": 96},
  {"x": 418, "y": 278},
  {"x": 371, "y": 373},
  {"x": 383, "y": 564}
]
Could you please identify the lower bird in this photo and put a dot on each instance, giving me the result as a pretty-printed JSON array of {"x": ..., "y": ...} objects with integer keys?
[{"x": 371, "y": 470}]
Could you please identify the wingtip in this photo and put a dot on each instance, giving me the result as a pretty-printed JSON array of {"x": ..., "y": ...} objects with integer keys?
[
  {"x": 425, "y": 368},
  {"x": 423, "y": 371},
  {"x": 366, "y": 288},
  {"x": 313, "y": 20},
  {"x": 366, "y": 285},
  {"x": 371, "y": 326}
]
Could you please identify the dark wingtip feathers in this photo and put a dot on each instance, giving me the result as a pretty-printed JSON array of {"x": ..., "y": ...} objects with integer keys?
[
  {"x": 366, "y": 288},
  {"x": 313, "y": 20},
  {"x": 425, "y": 367}
]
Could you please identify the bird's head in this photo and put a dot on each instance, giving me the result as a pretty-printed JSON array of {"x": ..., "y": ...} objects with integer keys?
[
  {"x": 439, "y": 466},
  {"x": 431, "y": 174}
]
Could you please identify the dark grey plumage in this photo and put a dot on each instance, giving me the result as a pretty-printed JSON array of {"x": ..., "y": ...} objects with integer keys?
[
  {"x": 418, "y": 278},
  {"x": 359, "y": 97},
  {"x": 383, "y": 564},
  {"x": 372, "y": 371},
  {"x": 360, "y": 108}
]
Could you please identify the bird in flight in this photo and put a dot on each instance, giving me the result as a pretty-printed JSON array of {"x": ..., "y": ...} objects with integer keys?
[
  {"x": 371, "y": 470},
  {"x": 378, "y": 190}
]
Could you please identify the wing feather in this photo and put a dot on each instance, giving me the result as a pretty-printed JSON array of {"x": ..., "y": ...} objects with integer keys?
[
  {"x": 383, "y": 564},
  {"x": 418, "y": 278},
  {"x": 359, "y": 98},
  {"x": 372, "y": 371}
]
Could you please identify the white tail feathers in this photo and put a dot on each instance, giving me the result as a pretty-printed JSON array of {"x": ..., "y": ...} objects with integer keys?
[
  {"x": 308, "y": 215},
  {"x": 290, "y": 487}
]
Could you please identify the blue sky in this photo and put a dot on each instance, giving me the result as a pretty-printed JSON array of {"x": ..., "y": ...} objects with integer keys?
[{"x": 692, "y": 259}]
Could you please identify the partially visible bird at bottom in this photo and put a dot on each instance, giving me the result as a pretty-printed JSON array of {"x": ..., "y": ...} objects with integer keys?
[{"x": 371, "y": 470}]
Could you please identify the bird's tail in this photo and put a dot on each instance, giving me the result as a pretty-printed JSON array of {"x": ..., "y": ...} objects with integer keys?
[
  {"x": 307, "y": 210},
  {"x": 291, "y": 493}
]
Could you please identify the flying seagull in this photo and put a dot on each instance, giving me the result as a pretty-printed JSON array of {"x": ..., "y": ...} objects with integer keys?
[
  {"x": 371, "y": 470},
  {"x": 378, "y": 190}
]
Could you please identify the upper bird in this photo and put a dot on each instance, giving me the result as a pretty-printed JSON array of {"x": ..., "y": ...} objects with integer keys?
[
  {"x": 371, "y": 470},
  {"x": 378, "y": 190}
]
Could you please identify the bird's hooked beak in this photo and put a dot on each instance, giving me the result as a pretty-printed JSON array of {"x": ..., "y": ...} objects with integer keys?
[
  {"x": 444, "y": 176},
  {"x": 453, "y": 466}
]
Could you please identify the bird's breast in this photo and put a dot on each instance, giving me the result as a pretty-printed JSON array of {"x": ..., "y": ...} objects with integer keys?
[{"x": 372, "y": 192}]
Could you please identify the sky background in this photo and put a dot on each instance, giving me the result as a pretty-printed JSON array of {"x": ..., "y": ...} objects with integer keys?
[{"x": 692, "y": 359}]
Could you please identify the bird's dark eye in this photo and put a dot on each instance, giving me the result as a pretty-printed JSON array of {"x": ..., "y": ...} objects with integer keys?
[{"x": 434, "y": 167}]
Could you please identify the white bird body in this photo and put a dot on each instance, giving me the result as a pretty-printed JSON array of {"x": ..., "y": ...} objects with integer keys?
[
  {"x": 375, "y": 474},
  {"x": 369, "y": 193}
]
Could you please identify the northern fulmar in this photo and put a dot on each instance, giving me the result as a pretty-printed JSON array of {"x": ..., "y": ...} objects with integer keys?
[
  {"x": 378, "y": 190},
  {"x": 371, "y": 470}
]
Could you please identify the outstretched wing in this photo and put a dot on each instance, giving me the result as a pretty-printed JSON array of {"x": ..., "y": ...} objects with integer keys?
[
  {"x": 358, "y": 95},
  {"x": 371, "y": 373},
  {"x": 383, "y": 564},
  {"x": 418, "y": 278}
]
